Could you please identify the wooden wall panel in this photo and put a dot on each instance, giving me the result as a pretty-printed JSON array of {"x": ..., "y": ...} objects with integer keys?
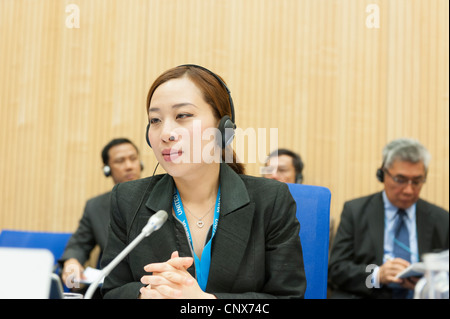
[{"x": 336, "y": 90}]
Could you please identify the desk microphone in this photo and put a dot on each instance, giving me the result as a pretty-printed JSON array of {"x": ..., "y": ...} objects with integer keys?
[{"x": 154, "y": 223}]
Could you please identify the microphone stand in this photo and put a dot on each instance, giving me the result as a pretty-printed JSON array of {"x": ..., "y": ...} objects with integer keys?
[{"x": 155, "y": 222}]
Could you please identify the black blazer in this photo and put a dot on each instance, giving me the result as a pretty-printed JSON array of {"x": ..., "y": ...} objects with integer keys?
[
  {"x": 359, "y": 242},
  {"x": 256, "y": 251},
  {"x": 92, "y": 230}
]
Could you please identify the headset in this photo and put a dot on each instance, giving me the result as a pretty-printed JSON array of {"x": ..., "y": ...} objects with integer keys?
[
  {"x": 380, "y": 173},
  {"x": 107, "y": 169},
  {"x": 227, "y": 125},
  {"x": 299, "y": 178}
]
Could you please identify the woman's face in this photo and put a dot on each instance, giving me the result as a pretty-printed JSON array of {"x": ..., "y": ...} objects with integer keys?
[{"x": 180, "y": 126}]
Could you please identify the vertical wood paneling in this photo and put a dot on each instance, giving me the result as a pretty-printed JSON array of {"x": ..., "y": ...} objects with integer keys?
[{"x": 336, "y": 90}]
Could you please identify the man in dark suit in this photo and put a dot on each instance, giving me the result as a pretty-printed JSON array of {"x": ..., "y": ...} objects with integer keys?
[
  {"x": 121, "y": 161},
  {"x": 381, "y": 234}
]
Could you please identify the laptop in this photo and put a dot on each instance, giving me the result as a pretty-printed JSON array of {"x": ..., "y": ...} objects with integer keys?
[{"x": 26, "y": 273}]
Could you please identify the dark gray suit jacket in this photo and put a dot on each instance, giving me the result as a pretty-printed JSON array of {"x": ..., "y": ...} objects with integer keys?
[
  {"x": 359, "y": 242},
  {"x": 92, "y": 229},
  {"x": 256, "y": 251}
]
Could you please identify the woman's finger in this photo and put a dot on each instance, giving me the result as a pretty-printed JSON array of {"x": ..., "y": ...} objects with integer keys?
[
  {"x": 171, "y": 264},
  {"x": 169, "y": 292},
  {"x": 149, "y": 293},
  {"x": 181, "y": 262}
]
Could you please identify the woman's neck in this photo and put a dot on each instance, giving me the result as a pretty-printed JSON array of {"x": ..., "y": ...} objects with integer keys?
[{"x": 199, "y": 188}]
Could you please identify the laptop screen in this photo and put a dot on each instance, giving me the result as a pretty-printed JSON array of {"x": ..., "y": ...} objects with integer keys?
[{"x": 25, "y": 273}]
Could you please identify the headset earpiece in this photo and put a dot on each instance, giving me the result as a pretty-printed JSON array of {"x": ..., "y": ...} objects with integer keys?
[
  {"x": 107, "y": 170},
  {"x": 226, "y": 129},
  {"x": 380, "y": 172},
  {"x": 380, "y": 175}
]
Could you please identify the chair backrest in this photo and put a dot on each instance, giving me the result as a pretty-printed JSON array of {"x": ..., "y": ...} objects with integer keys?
[
  {"x": 53, "y": 241},
  {"x": 313, "y": 213}
]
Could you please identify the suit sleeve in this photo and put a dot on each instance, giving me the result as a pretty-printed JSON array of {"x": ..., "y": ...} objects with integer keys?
[
  {"x": 344, "y": 270},
  {"x": 82, "y": 241}
]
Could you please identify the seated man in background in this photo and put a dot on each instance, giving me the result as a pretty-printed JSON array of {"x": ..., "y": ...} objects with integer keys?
[
  {"x": 382, "y": 234},
  {"x": 121, "y": 161},
  {"x": 285, "y": 166}
]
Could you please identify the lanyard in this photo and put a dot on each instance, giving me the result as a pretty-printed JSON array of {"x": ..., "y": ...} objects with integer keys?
[{"x": 201, "y": 265}]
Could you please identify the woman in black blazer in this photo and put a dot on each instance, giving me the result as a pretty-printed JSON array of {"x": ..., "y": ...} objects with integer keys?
[{"x": 243, "y": 229}]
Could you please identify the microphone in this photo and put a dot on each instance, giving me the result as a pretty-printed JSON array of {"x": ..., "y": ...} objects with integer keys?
[{"x": 154, "y": 223}]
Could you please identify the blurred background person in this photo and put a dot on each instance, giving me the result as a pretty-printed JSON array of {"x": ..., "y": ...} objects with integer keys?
[
  {"x": 121, "y": 161},
  {"x": 285, "y": 166},
  {"x": 388, "y": 230}
]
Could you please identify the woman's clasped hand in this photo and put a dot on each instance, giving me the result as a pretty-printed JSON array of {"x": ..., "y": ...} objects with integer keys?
[{"x": 171, "y": 280}]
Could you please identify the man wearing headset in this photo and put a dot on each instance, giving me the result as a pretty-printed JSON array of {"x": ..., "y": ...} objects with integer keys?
[
  {"x": 380, "y": 235},
  {"x": 121, "y": 161}
]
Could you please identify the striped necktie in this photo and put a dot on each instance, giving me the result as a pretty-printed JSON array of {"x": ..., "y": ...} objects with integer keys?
[
  {"x": 401, "y": 250},
  {"x": 401, "y": 237}
]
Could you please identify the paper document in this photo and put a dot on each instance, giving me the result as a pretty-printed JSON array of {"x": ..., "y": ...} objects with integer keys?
[
  {"x": 413, "y": 270},
  {"x": 91, "y": 275}
]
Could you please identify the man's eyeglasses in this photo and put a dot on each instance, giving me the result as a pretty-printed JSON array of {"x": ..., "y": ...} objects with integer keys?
[{"x": 404, "y": 181}]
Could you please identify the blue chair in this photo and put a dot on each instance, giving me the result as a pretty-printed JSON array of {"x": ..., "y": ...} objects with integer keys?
[
  {"x": 55, "y": 242},
  {"x": 313, "y": 213}
]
